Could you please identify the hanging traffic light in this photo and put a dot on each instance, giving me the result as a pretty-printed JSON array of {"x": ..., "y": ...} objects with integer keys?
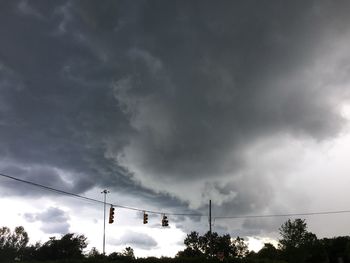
[
  {"x": 145, "y": 218},
  {"x": 165, "y": 221},
  {"x": 111, "y": 215}
]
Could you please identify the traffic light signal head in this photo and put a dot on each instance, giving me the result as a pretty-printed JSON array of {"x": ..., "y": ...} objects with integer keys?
[
  {"x": 111, "y": 215},
  {"x": 145, "y": 218},
  {"x": 165, "y": 221}
]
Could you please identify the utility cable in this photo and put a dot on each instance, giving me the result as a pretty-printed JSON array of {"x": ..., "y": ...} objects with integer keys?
[
  {"x": 284, "y": 215},
  {"x": 96, "y": 200},
  {"x": 51, "y": 188},
  {"x": 170, "y": 213}
]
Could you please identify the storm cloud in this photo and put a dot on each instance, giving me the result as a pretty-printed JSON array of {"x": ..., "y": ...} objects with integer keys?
[
  {"x": 187, "y": 101},
  {"x": 53, "y": 220},
  {"x": 138, "y": 240}
]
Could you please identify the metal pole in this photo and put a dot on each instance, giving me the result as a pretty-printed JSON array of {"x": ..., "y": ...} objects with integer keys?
[
  {"x": 210, "y": 217},
  {"x": 210, "y": 236},
  {"x": 104, "y": 192}
]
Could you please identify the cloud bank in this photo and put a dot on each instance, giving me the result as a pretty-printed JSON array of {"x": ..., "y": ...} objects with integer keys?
[
  {"x": 53, "y": 220},
  {"x": 178, "y": 102},
  {"x": 138, "y": 240}
]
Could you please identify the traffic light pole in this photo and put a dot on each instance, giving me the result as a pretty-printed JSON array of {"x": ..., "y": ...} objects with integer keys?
[
  {"x": 210, "y": 236},
  {"x": 104, "y": 192},
  {"x": 210, "y": 217}
]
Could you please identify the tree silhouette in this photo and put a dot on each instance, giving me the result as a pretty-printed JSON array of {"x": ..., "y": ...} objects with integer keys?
[
  {"x": 268, "y": 251},
  {"x": 296, "y": 243},
  {"x": 128, "y": 252},
  {"x": 295, "y": 235},
  {"x": 210, "y": 244},
  {"x": 70, "y": 246},
  {"x": 241, "y": 247},
  {"x": 12, "y": 245}
]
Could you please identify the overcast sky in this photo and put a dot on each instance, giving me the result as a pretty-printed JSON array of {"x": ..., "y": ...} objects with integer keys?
[{"x": 168, "y": 104}]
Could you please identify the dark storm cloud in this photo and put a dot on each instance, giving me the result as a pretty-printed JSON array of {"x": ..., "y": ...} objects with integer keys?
[
  {"x": 47, "y": 176},
  {"x": 45, "y": 108},
  {"x": 225, "y": 81},
  {"x": 152, "y": 96},
  {"x": 53, "y": 220},
  {"x": 137, "y": 240}
]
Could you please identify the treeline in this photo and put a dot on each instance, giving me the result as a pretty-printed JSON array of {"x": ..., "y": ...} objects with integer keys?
[
  {"x": 296, "y": 245},
  {"x": 14, "y": 247}
]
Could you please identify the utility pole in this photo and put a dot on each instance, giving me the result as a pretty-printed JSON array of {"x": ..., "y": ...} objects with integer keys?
[
  {"x": 210, "y": 217},
  {"x": 104, "y": 192},
  {"x": 210, "y": 233}
]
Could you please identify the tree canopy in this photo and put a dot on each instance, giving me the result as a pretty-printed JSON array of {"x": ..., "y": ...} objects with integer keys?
[
  {"x": 210, "y": 244},
  {"x": 12, "y": 244},
  {"x": 69, "y": 246},
  {"x": 296, "y": 245}
]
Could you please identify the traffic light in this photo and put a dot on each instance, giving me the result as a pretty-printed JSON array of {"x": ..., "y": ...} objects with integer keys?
[
  {"x": 145, "y": 218},
  {"x": 111, "y": 215},
  {"x": 165, "y": 221}
]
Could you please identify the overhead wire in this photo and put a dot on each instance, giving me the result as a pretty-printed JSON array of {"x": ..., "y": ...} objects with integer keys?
[
  {"x": 96, "y": 200},
  {"x": 169, "y": 213},
  {"x": 50, "y": 188},
  {"x": 284, "y": 215}
]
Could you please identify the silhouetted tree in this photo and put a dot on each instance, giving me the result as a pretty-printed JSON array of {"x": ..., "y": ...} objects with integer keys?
[
  {"x": 13, "y": 244},
  {"x": 337, "y": 248},
  {"x": 31, "y": 252},
  {"x": 128, "y": 252},
  {"x": 241, "y": 247},
  {"x": 127, "y": 255},
  {"x": 94, "y": 254},
  {"x": 210, "y": 244},
  {"x": 296, "y": 243},
  {"x": 268, "y": 251},
  {"x": 192, "y": 245},
  {"x": 69, "y": 246},
  {"x": 294, "y": 234}
]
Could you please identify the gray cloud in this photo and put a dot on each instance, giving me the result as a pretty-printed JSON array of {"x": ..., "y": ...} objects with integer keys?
[
  {"x": 179, "y": 111},
  {"x": 26, "y": 9},
  {"x": 137, "y": 240},
  {"x": 53, "y": 220}
]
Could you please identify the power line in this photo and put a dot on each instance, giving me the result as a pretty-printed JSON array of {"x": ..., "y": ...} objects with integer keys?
[
  {"x": 50, "y": 188},
  {"x": 284, "y": 215},
  {"x": 169, "y": 213},
  {"x": 96, "y": 200}
]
